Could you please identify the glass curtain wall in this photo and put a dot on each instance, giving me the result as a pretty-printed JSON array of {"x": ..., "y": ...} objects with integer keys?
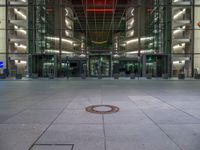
[
  {"x": 14, "y": 37},
  {"x": 129, "y": 47},
  {"x": 3, "y": 48},
  {"x": 170, "y": 23},
  {"x": 196, "y": 22},
  {"x": 155, "y": 36},
  {"x": 155, "y": 60},
  {"x": 37, "y": 38},
  {"x": 182, "y": 37},
  {"x": 54, "y": 33},
  {"x": 148, "y": 43}
]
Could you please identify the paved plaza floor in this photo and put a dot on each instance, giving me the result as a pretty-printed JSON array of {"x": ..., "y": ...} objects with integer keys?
[{"x": 50, "y": 115}]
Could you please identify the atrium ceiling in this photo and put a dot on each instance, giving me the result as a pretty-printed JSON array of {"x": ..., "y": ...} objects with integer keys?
[{"x": 100, "y": 19}]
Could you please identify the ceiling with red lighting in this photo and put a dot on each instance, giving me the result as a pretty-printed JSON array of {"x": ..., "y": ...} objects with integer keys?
[{"x": 99, "y": 19}]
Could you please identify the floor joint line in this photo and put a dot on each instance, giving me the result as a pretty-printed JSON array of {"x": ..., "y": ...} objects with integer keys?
[
  {"x": 49, "y": 126},
  {"x": 104, "y": 132},
  {"x": 157, "y": 125},
  {"x": 171, "y": 105}
]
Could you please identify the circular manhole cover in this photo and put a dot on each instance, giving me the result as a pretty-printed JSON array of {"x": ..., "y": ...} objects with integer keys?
[{"x": 102, "y": 109}]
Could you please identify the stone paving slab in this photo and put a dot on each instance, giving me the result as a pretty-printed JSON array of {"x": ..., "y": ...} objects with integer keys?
[
  {"x": 83, "y": 102},
  {"x": 78, "y": 117},
  {"x": 33, "y": 117},
  {"x": 19, "y": 137},
  {"x": 194, "y": 112},
  {"x": 50, "y": 104},
  {"x": 171, "y": 116},
  {"x": 186, "y": 136},
  {"x": 73, "y": 134},
  {"x": 52, "y": 147},
  {"x": 6, "y": 113},
  {"x": 161, "y": 112},
  {"x": 138, "y": 137},
  {"x": 149, "y": 102},
  {"x": 98, "y": 145}
]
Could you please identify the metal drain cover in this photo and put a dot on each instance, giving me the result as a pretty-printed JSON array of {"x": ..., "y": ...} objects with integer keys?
[{"x": 102, "y": 109}]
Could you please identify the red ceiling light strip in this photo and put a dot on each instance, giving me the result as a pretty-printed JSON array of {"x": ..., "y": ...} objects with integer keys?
[
  {"x": 99, "y": 10},
  {"x": 100, "y": 2}
]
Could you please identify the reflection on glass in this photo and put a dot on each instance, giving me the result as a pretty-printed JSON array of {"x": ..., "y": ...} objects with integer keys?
[
  {"x": 99, "y": 65},
  {"x": 181, "y": 38}
]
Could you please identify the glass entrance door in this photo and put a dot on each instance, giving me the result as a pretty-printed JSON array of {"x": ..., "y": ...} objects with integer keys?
[
  {"x": 43, "y": 65},
  {"x": 157, "y": 65},
  {"x": 126, "y": 67},
  {"x": 100, "y": 65},
  {"x": 73, "y": 67}
]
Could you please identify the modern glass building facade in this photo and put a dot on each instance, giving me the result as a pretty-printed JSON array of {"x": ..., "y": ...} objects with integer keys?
[{"x": 99, "y": 37}]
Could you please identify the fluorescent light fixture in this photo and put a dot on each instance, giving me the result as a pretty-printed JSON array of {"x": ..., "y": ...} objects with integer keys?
[
  {"x": 20, "y": 62},
  {"x": 132, "y": 41},
  {"x": 66, "y": 12},
  {"x": 179, "y": 62},
  {"x": 67, "y": 41},
  {"x": 53, "y": 38},
  {"x": 58, "y": 39},
  {"x": 20, "y": 30},
  {"x": 132, "y": 12},
  {"x": 67, "y": 33},
  {"x": 43, "y": 19},
  {"x": 179, "y": 46},
  {"x": 76, "y": 44},
  {"x": 179, "y": 13},
  {"x": 16, "y": 27},
  {"x": 142, "y": 51},
  {"x": 176, "y": 1},
  {"x": 130, "y": 33},
  {"x": 57, "y": 51},
  {"x": 18, "y": 45},
  {"x": 68, "y": 24},
  {"x": 123, "y": 45},
  {"x": 132, "y": 22},
  {"x": 82, "y": 46},
  {"x": 49, "y": 64},
  {"x": 116, "y": 56},
  {"x": 179, "y": 30},
  {"x": 20, "y": 13},
  {"x": 136, "y": 40},
  {"x": 150, "y": 44},
  {"x": 82, "y": 55},
  {"x": 116, "y": 45}
]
